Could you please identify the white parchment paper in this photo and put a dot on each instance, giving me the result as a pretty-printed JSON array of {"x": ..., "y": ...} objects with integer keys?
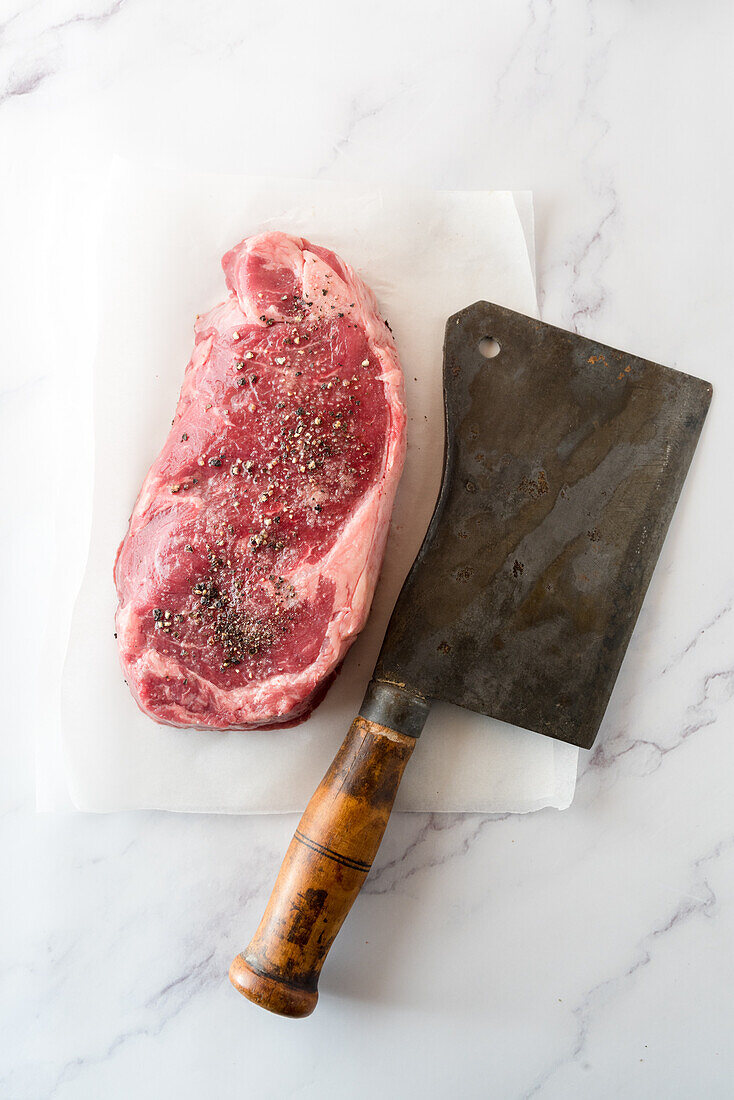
[{"x": 426, "y": 255}]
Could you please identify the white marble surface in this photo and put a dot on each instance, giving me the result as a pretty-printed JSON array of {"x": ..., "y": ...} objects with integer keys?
[{"x": 578, "y": 954}]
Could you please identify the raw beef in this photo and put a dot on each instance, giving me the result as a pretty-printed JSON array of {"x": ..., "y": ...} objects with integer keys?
[{"x": 254, "y": 546}]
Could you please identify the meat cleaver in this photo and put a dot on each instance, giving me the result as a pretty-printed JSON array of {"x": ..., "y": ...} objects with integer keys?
[{"x": 563, "y": 463}]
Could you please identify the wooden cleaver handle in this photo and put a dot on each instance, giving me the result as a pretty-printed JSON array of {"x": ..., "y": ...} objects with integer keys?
[{"x": 323, "y": 871}]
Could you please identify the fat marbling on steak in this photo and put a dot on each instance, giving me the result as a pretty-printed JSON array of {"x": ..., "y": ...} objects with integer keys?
[{"x": 254, "y": 546}]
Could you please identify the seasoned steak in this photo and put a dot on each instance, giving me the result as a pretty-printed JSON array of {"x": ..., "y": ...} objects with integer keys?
[{"x": 254, "y": 546}]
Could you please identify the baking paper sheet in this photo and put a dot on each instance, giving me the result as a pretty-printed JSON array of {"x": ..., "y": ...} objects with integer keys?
[{"x": 426, "y": 255}]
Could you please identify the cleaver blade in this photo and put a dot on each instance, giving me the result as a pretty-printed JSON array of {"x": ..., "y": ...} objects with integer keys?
[{"x": 563, "y": 463}]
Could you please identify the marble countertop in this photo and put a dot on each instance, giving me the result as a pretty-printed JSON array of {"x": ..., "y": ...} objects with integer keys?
[{"x": 578, "y": 954}]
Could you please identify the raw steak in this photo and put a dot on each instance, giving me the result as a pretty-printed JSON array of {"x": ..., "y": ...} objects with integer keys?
[{"x": 254, "y": 546}]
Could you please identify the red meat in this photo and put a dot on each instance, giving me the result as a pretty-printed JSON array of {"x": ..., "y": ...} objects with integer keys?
[{"x": 254, "y": 546}]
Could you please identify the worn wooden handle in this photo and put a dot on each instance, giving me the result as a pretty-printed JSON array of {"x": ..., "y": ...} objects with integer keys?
[{"x": 323, "y": 871}]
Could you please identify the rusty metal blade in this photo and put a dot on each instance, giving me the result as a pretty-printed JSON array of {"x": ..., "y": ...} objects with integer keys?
[{"x": 564, "y": 460}]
